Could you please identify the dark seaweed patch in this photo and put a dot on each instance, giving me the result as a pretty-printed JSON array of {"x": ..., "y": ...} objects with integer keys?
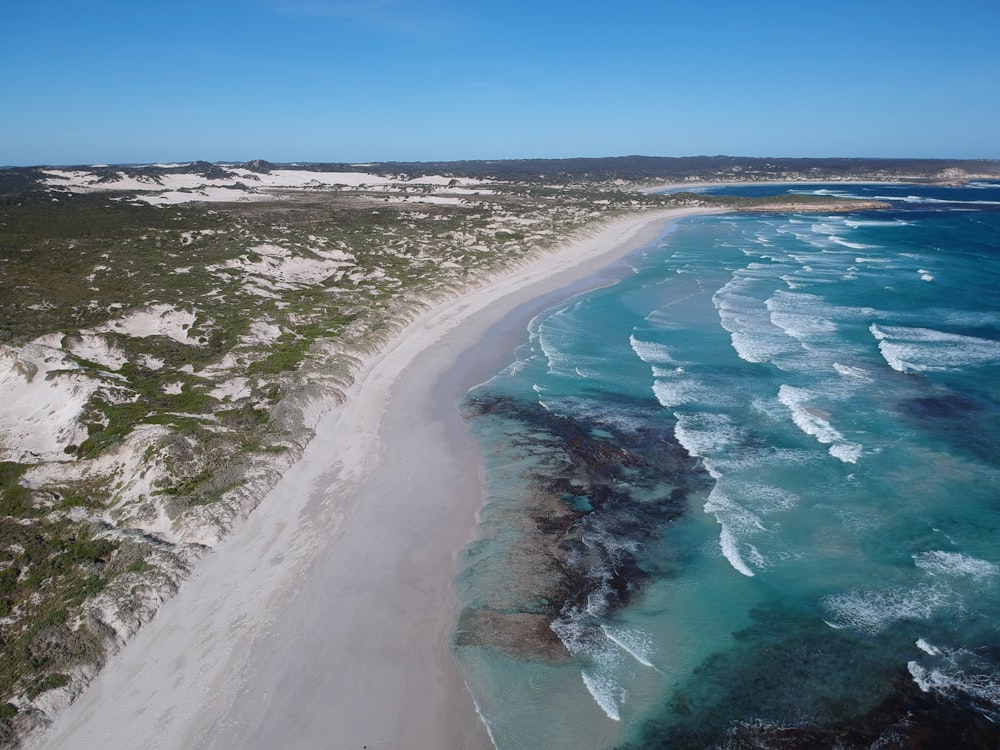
[{"x": 633, "y": 481}]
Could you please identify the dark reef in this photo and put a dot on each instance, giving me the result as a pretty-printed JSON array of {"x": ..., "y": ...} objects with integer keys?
[{"x": 614, "y": 493}]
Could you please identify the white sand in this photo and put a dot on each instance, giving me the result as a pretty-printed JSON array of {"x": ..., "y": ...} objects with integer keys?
[
  {"x": 325, "y": 620},
  {"x": 233, "y": 183},
  {"x": 43, "y": 400},
  {"x": 155, "y": 320}
]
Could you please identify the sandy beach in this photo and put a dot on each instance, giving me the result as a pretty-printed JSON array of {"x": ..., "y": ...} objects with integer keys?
[{"x": 324, "y": 620}]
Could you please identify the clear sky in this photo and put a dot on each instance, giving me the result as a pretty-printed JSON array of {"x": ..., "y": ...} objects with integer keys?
[{"x": 118, "y": 81}]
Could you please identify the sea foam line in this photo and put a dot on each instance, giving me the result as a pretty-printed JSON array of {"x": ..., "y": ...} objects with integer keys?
[
  {"x": 635, "y": 643},
  {"x": 482, "y": 716},
  {"x": 602, "y": 689},
  {"x": 730, "y": 550}
]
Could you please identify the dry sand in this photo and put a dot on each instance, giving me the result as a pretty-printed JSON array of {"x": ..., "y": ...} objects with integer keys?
[{"x": 324, "y": 621}]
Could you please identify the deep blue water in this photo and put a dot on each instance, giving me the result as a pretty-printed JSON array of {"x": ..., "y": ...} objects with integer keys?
[{"x": 750, "y": 495}]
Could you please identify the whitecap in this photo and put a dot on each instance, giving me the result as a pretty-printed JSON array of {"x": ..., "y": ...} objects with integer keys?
[
  {"x": 551, "y": 335},
  {"x": 754, "y": 337},
  {"x": 731, "y": 552},
  {"x": 851, "y": 245},
  {"x": 585, "y": 640},
  {"x": 924, "y": 679},
  {"x": 871, "y": 611},
  {"x": 928, "y": 648},
  {"x": 849, "y": 453},
  {"x": 756, "y": 557},
  {"x": 835, "y": 193},
  {"x": 939, "y": 562},
  {"x": 851, "y": 372},
  {"x": 677, "y": 393},
  {"x": 926, "y": 350},
  {"x": 815, "y": 423},
  {"x": 876, "y": 223},
  {"x": 951, "y": 679},
  {"x": 606, "y": 692},
  {"x": 650, "y": 352},
  {"x": 662, "y": 372},
  {"x": 636, "y": 643},
  {"x": 801, "y": 316},
  {"x": 922, "y": 199},
  {"x": 871, "y": 260},
  {"x": 703, "y": 435}
]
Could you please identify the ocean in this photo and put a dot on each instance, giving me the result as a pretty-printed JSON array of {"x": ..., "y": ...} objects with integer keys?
[{"x": 749, "y": 495}]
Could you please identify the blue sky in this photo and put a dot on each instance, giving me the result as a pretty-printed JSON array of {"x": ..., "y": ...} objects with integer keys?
[{"x": 108, "y": 81}]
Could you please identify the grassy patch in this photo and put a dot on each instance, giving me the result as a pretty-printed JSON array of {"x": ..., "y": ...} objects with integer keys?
[
  {"x": 49, "y": 569},
  {"x": 15, "y": 500}
]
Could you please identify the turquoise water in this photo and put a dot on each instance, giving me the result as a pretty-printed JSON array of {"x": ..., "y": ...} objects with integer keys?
[{"x": 749, "y": 496}]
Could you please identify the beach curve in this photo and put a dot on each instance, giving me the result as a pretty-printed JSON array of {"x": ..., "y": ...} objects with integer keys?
[{"x": 328, "y": 613}]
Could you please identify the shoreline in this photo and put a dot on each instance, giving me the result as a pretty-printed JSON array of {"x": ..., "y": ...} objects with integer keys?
[{"x": 332, "y": 606}]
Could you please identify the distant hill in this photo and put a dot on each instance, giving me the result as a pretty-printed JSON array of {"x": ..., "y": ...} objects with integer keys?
[
  {"x": 708, "y": 168},
  {"x": 647, "y": 169}
]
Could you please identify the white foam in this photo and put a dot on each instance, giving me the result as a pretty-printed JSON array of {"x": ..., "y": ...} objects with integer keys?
[
  {"x": 481, "y": 715},
  {"x": 731, "y": 514},
  {"x": 922, "y": 199},
  {"x": 927, "y": 648},
  {"x": 751, "y": 348},
  {"x": 702, "y": 435},
  {"x": 678, "y": 393},
  {"x": 827, "y": 191},
  {"x": 801, "y": 316},
  {"x": 939, "y": 562},
  {"x": 875, "y": 223},
  {"x": 871, "y": 611},
  {"x": 605, "y": 692},
  {"x": 812, "y": 422},
  {"x": 926, "y": 350},
  {"x": 871, "y": 260},
  {"x": 731, "y": 552},
  {"x": 754, "y": 335},
  {"x": 791, "y": 282},
  {"x": 852, "y": 245},
  {"x": 924, "y": 678},
  {"x": 766, "y": 499},
  {"x": 636, "y": 643},
  {"x": 651, "y": 352},
  {"x": 849, "y": 453},
  {"x": 547, "y": 330},
  {"x": 851, "y": 372},
  {"x": 982, "y": 686},
  {"x": 663, "y": 372},
  {"x": 585, "y": 641}
]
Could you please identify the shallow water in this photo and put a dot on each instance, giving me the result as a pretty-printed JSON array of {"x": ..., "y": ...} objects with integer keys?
[{"x": 750, "y": 494}]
